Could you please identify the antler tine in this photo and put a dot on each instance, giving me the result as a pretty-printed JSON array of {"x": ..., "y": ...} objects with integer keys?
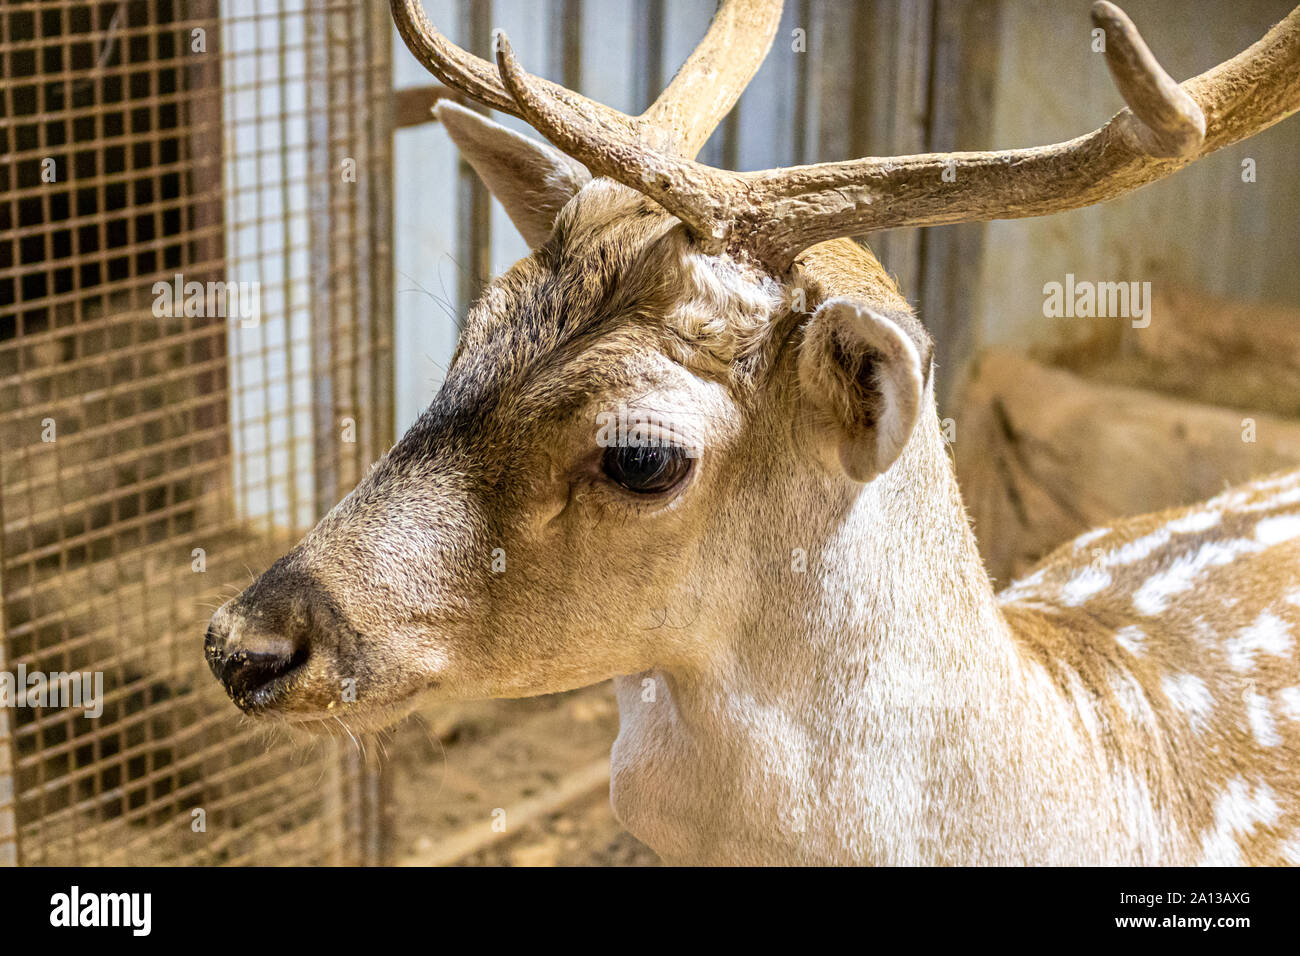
[
  {"x": 1169, "y": 121},
  {"x": 679, "y": 121},
  {"x": 472, "y": 75},
  {"x": 711, "y": 80},
  {"x": 696, "y": 194},
  {"x": 460, "y": 70},
  {"x": 1165, "y": 127}
]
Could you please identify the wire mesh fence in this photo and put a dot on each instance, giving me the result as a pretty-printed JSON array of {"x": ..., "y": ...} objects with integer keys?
[{"x": 195, "y": 362}]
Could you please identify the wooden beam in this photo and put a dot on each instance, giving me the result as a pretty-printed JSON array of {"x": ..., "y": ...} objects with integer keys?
[
  {"x": 1043, "y": 455},
  {"x": 474, "y": 202},
  {"x": 893, "y": 47},
  {"x": 414, "y": 105},
  {"x": 572, "y": 787},
  {"x": 648, "y": 55},
  {"x": 963, "y": 74}
]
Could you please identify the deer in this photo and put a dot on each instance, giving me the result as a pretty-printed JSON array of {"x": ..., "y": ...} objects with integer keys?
[{"x": 772, "y": 560}]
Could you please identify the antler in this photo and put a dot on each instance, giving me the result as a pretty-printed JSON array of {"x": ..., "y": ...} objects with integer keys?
[
  {"x": 1165, "y": 127},
  {"x": 679, "y": 121},
  {"x": 713, "y": 77},
  {"x": 776, "y": 214},
  {"x": 695, "y": 193}
]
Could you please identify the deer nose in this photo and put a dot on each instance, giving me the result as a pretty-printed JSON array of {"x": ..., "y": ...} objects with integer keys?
[{"x": 249, "y": 663}]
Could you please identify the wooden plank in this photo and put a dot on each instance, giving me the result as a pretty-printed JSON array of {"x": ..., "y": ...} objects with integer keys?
[
  {"x": 375, "y": 803},
  {"x": 768, "y": 104},
  {"x": 413, "y": 106},
  {"x": 610, "y": 42},
  {"x": 799, "y": 121},
  {"x": 321, "y": 223},
  {"x": 474, "y": 211},
  {"x": 584, "y": 782},
  {"x": 1203, "y": 226},
  {"x": 963, "y": 74},
  {"x": 532, "y": 30},
  {"x": 380, "y": 202},
  {"x": 890, "y": 104},
  {"x": 426, "y": 186},
  {"x": 831, "y": 53},
  {"x": 1043, "y": 455},
  {"x": 567, "y": 23},
  {"x": 648, "y": 57}
]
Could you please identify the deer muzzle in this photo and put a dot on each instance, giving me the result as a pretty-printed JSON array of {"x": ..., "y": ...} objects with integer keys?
[
  {"x": 262, "y": 644},
  {"x": 254, "y": 667}
]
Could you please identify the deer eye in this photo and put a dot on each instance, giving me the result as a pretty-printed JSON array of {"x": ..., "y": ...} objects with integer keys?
[{"x": 646, "y": 470}]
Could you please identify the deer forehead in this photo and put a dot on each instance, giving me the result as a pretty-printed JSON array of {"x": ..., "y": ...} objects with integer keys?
[{"x": 619, "y": 280}]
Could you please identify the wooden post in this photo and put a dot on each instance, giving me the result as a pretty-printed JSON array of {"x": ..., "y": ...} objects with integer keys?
[
  {"x": 962, "y": 77},
  {"x": 892, "y": 78},
  {"x": 648, "y": 66},
  {"x": 377, "y": 807},
  {"x": 8, "y": 789},
  {"x": 891, "y": 74},
  {"x": 473, "y": 202}
]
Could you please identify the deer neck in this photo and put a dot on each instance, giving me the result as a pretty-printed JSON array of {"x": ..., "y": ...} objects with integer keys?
[{"x": 873, "y": 707}]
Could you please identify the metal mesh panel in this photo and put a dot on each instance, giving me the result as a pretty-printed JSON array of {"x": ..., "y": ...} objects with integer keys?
[{"x": 155, "y": 454}]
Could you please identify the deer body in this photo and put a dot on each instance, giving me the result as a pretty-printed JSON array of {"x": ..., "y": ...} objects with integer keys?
[{"x": 774, "y": 563}]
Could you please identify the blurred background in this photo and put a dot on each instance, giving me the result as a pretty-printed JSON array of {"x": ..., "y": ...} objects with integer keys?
[{"x": 151, "y": 463}]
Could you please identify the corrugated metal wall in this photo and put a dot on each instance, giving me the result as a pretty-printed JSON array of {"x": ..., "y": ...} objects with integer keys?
[{"x": 1203, "y": 229}]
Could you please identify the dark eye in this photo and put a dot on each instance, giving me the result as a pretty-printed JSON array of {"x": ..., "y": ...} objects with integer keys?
[{"x": 647, "y": 470}]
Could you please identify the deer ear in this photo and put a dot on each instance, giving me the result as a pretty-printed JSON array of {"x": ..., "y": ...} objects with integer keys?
[
  {"x": 864, "y": 375},
  {"x": 532, "y": 180}
]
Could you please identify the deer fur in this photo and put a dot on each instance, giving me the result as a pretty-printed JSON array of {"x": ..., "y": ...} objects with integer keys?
[{"x": 810, "y": 660}]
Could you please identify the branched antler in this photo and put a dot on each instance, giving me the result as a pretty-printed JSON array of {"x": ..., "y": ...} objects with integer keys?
[
  {"x": 775, "y": 214},
  {"x": 1164, "y": 120},
  {"x": 1165, "y": 127},
  {"x": 679, "y": 121},
  {"x": 713, "y": 77},
  {"x": 691, "y": 191}
]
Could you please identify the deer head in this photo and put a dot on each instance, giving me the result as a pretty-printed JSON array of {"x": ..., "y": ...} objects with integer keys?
[{"x": 694, "y": 373}]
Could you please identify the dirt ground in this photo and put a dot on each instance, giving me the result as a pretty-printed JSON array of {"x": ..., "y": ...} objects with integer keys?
[{"x": 536, "y": 768}]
